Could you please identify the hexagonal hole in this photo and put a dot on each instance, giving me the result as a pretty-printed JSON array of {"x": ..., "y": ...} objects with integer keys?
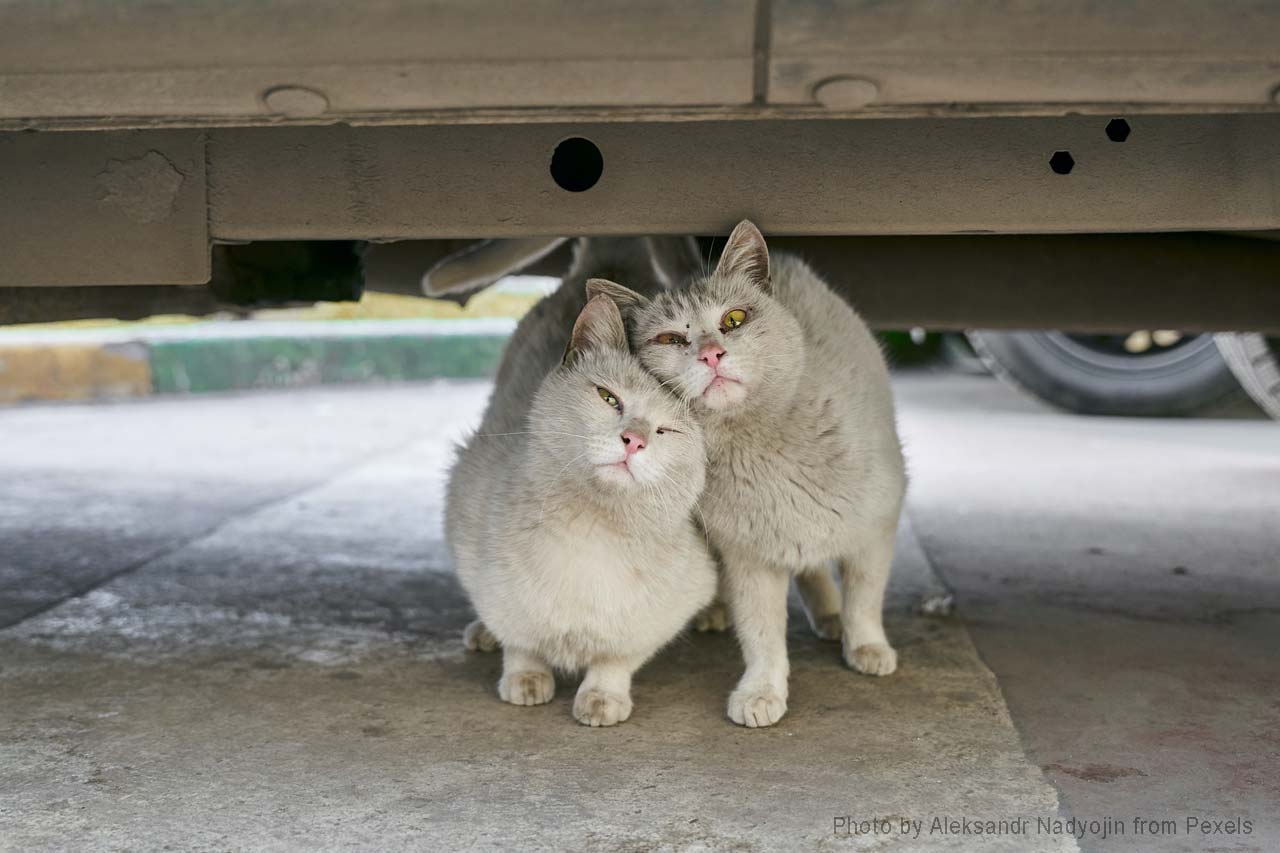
[
  {"x": 1062, "y": 162},
  {"x": 1118, "y": 130}
]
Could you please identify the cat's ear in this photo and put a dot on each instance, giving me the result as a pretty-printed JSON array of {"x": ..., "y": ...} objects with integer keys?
[
  {"x": 598, "y": 327},
  {"x": 747, "y": 255},
  {"x": 624, "y": 297}
]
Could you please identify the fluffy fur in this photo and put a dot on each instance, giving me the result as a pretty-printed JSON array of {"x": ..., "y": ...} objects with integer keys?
[
  {"x": 804, "y": 466},
  {"x": 574, "y": 562}
]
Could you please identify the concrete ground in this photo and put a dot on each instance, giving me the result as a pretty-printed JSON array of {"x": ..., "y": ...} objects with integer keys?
[{"x": 227, "y": 623}]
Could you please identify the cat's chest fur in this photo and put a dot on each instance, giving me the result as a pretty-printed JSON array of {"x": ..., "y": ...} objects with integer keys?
[
  {"x": 781, "y": 487},
  {"x": 580, "y": 589}
]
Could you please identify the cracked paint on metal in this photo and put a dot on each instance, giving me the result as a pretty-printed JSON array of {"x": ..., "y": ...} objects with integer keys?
[{"x": 145, "y": 189}]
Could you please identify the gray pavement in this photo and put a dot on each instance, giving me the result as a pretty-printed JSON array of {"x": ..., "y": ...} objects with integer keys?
[
  {"x": 1122, "y": 579},
  {"x": 231, "y": 625}
]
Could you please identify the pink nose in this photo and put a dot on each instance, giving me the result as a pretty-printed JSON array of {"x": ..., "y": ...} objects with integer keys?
[
  {"x": 710, "y": 354},
  {"x": 633, "y": 441}
]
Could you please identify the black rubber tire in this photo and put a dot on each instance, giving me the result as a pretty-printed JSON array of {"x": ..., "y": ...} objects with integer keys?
[
  {"x": 1190, "y": 379},
  {"x": 1255, "y": 361}
]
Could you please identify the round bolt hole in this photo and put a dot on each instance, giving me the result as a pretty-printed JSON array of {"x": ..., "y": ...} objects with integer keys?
[
  {"x": 295, "y": 101},
  {"x": 845, "y": 93},
  {"x": 577, "y": 164},
  {"x": 1062, "y": 162},
  {"x": 1118, "y": 130}
]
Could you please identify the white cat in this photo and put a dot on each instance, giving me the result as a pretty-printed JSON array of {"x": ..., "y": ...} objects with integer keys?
[
  {"x": 804, "y": 466},
  {"x": 569, "y": 511}
]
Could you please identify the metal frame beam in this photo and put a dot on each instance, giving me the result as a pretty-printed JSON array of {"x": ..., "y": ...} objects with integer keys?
[
  {"x": 142, "y": 207},
  {"x": 1090, "y": 282},
  {"x": 1082, "y": 282},
  {"x": 796, "y": 177}
]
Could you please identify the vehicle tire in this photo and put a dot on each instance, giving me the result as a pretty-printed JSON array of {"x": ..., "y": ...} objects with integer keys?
[
  {"x": 1097, "y": 375},
  {"x": 959, "y": 355},
  {"x": 1255, "y": 361}
]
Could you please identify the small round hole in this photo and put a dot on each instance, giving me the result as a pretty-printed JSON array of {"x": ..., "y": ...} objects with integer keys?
[
  {"x": 1062, "y": 162},
  {"x": 577, "y": 164},
  {"x": 1118, "y": 130}
]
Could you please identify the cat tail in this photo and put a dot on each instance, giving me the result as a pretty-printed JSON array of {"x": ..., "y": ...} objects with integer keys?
[
  {"x": 481, "y": 264},
  {"x": 644, "y": 264},
  {"x": 677, "y": 259}
]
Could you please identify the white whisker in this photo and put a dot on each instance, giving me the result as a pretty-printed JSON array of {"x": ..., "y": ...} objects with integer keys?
[{"x": 530, "y": 432}]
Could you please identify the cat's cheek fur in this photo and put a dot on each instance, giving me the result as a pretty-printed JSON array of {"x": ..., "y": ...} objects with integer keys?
[
  {"x": 676, "y": 368},
  {"x": 765, "y": 356}
]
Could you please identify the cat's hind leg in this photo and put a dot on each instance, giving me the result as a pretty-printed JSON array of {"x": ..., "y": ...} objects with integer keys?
[
  {"x": 713, "y": 618},
  {"x": 526, "y": 679},
  {"x": 604, "y": 697},
  {"x": 821, "y": 599},
  {"x": 477, "y": 638},
  {"x": 864, "y": 576}
]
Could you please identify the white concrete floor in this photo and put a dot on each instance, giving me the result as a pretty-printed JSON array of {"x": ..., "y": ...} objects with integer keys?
[{"x": 231, "y": 625}]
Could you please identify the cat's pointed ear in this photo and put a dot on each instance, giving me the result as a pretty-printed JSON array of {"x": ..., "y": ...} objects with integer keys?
[
  {"x": 624, "y": 297},
  {"x": 598, "y": 327},
  {"x": 747, "y": 255}
]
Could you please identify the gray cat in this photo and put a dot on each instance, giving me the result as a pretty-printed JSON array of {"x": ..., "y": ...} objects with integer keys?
[
  {"x": 569, "y": 511},
  {"x": 804, "y": 466}
]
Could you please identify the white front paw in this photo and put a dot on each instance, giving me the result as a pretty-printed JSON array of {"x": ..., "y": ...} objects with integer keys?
[
  {"x": 598, "y": 708},
  {"x": 756, "y": 706},
  {"x": 872, "y": 658},
  {"x": 526, "y": 688}
]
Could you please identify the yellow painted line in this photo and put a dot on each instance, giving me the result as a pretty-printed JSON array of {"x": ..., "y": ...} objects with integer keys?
[{"x": 73, "y": 372}]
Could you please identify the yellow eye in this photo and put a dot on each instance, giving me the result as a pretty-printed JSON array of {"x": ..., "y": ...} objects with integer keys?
[
  {"x": 733, "y": 319},
  {"x": 607, "y": 396},
  {"x": 670, "y": 338}
]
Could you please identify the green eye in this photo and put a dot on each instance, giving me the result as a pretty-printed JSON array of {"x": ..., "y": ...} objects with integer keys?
[
  {"x": 670, "y": 338},
  {"x": 607, "y": 396},
  {"x": 733, "y": 319}
]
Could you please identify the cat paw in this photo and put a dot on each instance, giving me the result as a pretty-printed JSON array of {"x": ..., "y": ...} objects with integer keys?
[
  {"x": 872, "y": 658},
  {"x": 828, "y": 627},
  {"x": 597, "y": 708},
  {"x": 526, "y": 688},
  {"x": 476, "y": 637},
  {"x": 714, "y": 618},
  {"x": 756, "y": 707}
]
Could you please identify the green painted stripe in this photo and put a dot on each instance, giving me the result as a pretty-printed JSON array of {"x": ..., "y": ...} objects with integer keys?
[{"x": 199, "y": 365}]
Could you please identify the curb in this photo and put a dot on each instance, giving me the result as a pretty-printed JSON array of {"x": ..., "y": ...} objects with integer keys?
[{"x": 132, "y": 362}]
